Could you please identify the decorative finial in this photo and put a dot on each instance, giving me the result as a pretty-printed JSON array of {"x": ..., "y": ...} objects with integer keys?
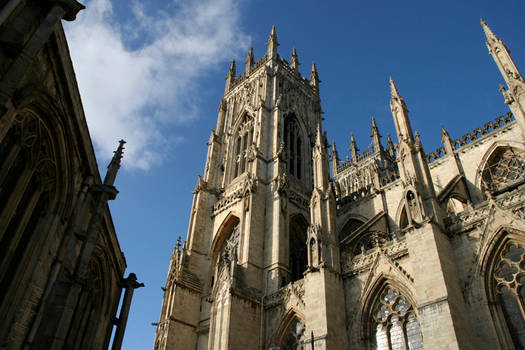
[
  {"x": 249, "y": 61},
  {"x": 232, "y": 70},
  {"x": 314, "y": 77},
  {"x": 272, "y": 43},
  {"x": 230, "y": 77},
  {"x": 445, "y": 139},
  {"x": 294, "y": 62},
  {"x": 319, "y": 138},
  {"x": 177, "y": 246},
  {"x": 353, "y": 147},
  {"x": 376, "y": 137},
  {"x": 393, "y": 88},
  {"x": 418, "y": 139},
  {"x": 390, "y": 146},
  {"x": 488, "y": 32},
  {"x": 444, "y": 131},
  {"x": 114, "y": 165}
]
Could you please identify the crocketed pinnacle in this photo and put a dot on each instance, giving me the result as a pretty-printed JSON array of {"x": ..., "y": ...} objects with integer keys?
[
  {"x": 314, "y": 77},
  {"x": 272, "y": 43},
  {"x": 488, "y": 32},
  {"x": 249, "y": 61},
  {"x": 114, "y": 165},
  {"x": 232, "y": 69},
  {"x": 273, "y": 35},
  {"x": 294, "y": 63},
  {"x": 393, "y": 88}
]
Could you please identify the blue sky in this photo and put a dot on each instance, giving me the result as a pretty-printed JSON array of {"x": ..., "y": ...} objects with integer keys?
[{"x": 153, "y": 73}]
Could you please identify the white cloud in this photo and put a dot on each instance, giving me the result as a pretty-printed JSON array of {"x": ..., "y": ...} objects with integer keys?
[{"x": 136, "y": 76}]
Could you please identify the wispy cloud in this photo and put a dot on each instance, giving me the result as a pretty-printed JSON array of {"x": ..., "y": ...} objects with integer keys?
[{"x": 138, "y": 75}]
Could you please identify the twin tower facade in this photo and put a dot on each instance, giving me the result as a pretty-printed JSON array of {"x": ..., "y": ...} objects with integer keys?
[{"x": 394, "y": 249}]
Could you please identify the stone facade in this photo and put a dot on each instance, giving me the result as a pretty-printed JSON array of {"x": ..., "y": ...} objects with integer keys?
[
  {"x": 398, "y": 249},
  {"x": 61, "y": 267}
]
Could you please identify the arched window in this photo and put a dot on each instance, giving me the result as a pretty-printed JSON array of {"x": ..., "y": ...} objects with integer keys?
[
  {"x": 295, "y": 337},
  {"x": 91, "y": 301},
  {"x": 505, "y": 167},
  {"x": 509, "y": 278},
  {"x": 28, "y": 185},
  {"x": 228, "y": 253},
  {"x": 243, "y": 140},
  {"x": 395, "y": 321},
  {"x": 298, "y": 245},
  {"x": 293, "y": 144}
]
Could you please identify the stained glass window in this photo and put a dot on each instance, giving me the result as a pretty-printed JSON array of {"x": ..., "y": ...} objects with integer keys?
[
  {"x": 397, "y": 327},
  {"x": 510, "y": 278},
  {"x": 504, "y": 168}
]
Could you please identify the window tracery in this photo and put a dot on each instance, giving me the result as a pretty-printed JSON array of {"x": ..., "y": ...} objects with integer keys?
[
  {"x": 293, "y": 144},
  {"x": 243, "y": 140},
  {"x": 228, "y": 252},
  {"x": 396, "y": 324},
  {"x": 505, "y": 167},
  {"x": 371, "y": 240},
  {"x": 509, "y": 277}
]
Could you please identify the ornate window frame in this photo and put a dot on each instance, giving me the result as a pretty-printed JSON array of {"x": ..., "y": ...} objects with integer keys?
[{"x": 491, "y": 265}]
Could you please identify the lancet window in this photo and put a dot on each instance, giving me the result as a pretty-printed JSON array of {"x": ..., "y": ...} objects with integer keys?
[
  {"x": 505, "y": 167},
  {"x": 509, "y": 279},
  {"x": 293, "y": 143},
  {"x": 298, "y": 245},
  {"x": 396, "y": 323},
  {"x": 243, "y": 141}
]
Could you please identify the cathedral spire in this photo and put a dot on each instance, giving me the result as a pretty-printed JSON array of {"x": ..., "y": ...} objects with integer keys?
[
  {"x": 353, "y": 148},
  {"x": 230, "y": 76},
  {"x": 400, "y": 114},
  {"x": 294, "y": 62},
  {"x": 272, "y": 44},
  {"x": 376, "y": 137},
  {"x": 314, "y": 77},
  {"x": 249, "y": 62}
]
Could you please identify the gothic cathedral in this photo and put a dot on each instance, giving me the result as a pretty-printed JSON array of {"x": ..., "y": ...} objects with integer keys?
[{"x": 395, "y": 249}]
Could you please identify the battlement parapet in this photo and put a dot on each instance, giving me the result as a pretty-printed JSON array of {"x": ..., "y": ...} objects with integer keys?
[
  {"x": 365, "y": 154},
  {"x": 480, "y": 132},
  {"x": 476, "y": 134}
]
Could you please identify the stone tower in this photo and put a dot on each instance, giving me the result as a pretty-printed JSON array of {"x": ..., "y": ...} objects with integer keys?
[
  {"x": 260, "y": 265},
  {"x": 398, "y": 249}
]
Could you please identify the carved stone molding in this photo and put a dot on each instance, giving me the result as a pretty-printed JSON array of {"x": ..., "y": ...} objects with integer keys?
[{"x": 234, "y": 195}]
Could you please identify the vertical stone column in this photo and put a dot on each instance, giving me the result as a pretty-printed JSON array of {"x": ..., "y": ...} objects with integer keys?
[{"x": 130, "y": 284}]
